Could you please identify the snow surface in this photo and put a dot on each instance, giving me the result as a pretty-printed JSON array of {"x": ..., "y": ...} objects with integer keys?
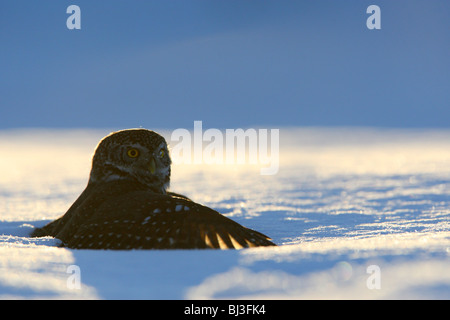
[{"x": 343, "y": 201}]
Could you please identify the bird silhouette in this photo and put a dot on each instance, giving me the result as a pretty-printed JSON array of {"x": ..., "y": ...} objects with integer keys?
[{"x": 126, "y": 204}]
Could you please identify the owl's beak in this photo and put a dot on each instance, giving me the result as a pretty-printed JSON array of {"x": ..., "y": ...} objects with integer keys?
[{"x": 152, "y": 166}]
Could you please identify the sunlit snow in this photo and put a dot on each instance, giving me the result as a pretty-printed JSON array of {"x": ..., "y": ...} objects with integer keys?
[{"x": 344, "y": 200}]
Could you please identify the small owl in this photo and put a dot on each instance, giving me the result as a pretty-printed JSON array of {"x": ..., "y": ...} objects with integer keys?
[{"x": 126, "y": 204}]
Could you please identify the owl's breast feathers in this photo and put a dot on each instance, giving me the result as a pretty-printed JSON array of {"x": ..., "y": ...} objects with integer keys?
[{"x": 126, "y": 215}]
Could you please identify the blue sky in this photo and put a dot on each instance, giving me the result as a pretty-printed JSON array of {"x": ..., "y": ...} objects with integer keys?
[{"x": 234, "y": 63}]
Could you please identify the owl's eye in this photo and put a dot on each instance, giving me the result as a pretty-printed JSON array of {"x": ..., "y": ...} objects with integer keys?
[
  {"x": 162, "y": 153},
  {"x": 133, "y": 153}
]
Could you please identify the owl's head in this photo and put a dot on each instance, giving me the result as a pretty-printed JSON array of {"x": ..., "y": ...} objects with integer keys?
[{"x": 133, "y": 154}]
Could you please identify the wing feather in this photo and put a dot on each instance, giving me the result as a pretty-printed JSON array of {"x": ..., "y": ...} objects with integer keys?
[{"x": 145, "y": 220}]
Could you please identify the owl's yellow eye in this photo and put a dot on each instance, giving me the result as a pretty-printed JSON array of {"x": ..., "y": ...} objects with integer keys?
[
  {"x": 161, "y": 153},
  {"x": 133, "y": 153}
]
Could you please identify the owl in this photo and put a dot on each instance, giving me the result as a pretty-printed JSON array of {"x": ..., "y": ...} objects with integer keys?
[{"x": 126, "y": 204}]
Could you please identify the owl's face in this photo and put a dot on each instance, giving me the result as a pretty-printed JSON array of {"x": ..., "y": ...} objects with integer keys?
[{"x": 135, "y": 154}]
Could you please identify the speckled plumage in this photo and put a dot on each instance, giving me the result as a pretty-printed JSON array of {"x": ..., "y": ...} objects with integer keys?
[{"x": 126, "y": 204}]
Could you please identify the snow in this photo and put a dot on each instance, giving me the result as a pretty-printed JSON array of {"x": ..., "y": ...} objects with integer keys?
[{"x": 358, "y": 213}]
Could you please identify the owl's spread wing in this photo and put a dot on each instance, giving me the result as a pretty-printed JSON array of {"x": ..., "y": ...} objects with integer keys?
[{"x": 142, "y": 220}]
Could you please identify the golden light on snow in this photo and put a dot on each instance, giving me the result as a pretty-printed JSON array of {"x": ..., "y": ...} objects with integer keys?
[{"x": 349, "y": 200}]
